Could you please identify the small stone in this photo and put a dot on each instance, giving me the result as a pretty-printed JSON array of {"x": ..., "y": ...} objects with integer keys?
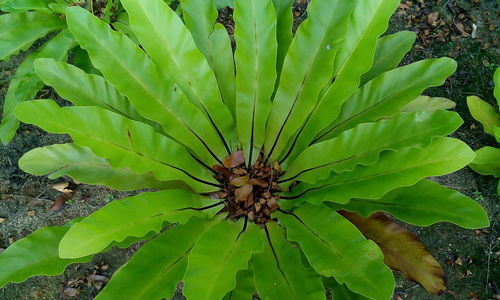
[
  {"x": 35, "y": 203},
  {"x": 251, "y": 216},
  {"x": 95, "y": 277},
  {"x": 257, "y": 207}
]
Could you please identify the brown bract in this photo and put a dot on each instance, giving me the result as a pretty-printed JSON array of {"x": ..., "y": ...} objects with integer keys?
[{"x": 248, "y": 192}]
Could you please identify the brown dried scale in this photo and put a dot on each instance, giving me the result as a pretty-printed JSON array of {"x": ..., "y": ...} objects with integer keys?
[{"x": 248, "y": 192}]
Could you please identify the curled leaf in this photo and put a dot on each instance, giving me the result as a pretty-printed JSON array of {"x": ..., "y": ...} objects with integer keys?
[
  {"x": 240, "y": 181},
  {"x": 60, "y": 201},
  {"x": 243, "y": 192},
  {"x": 402, "y": 250},
  {"x": 234, "y": 160},
  {"x": 65, "y": 187}
]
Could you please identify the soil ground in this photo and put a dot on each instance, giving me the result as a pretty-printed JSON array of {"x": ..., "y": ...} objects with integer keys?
[{"x": 471, "y": 259}]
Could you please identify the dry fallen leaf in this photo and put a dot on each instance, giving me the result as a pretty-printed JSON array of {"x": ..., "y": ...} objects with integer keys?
[
  {"x": 432, "y": 18},
  {"x": 458, "y": 261},
  {"x": 31, "y": 213},
  {"x": 63, "y": 187},
  {"x": 60, "y": 201},
  {"x": 71, "y": 292},
  {"x": 234, "y": 160},
  {"x": 2, "y": 220},
  {"x": 461, "y": 28}
]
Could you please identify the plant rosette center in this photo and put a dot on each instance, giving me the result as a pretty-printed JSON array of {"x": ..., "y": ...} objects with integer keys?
[{"x": 250, "y": 192}]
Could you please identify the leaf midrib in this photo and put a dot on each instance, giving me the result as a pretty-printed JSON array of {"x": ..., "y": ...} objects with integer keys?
[
  {"x": 151, "y": 94},
  {"x": 374, "y": 16},
  {"x": 339, "y": 255},
  {"x": 368, "y": 177},
  {"x": 385, "y": 147},
  {"x": 359, "y": 114},
  {"x": 178, "y": 169},
  {"x": 165, "y": 43}
]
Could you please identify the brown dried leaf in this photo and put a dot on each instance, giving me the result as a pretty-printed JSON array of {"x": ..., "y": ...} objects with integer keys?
[
  {"x": 71, "y": 292},
  {"x": 58, "y": 204},
  {"x": 461, "y": 28},
  {"x": 240, "y": 181},
  {"x": 432, "y": 18},
  {"x": 240, "y": 171},
  {"x": 242, "y": 193},
  {"x": 272, "y": 204},
  {"x": 276, "y": 166},
  {"x": 259, "y": 182},
  {"x": 235, "y": 159},
  {"x": 31, "y": 213},
  {"x": 402, "y": 250},
  {"x": 64, "y": 187}
]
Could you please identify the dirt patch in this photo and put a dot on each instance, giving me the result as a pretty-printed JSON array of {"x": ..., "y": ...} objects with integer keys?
[{"x": 467, "y": 31}]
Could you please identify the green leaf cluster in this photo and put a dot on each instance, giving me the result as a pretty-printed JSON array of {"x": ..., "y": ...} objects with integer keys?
[
  {"x": 22, "y": 23},
  {"x": 168, "y": 100},
  {"x": 487, "y": 161}
]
